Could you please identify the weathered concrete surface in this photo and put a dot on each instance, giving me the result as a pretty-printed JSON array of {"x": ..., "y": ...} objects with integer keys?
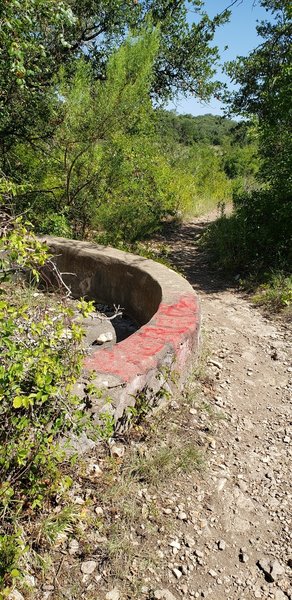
[{"x": 159, "y": 299}]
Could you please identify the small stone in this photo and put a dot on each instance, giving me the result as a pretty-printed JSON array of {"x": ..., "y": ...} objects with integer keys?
[
  {"x": 73, "y": 547},
  {"x": 99, "y": 511},
  {"x": 113, "y": 594},
  {"x": 189, "y": 541},
  {"x": 279, "y": 595},
  {"x": 15, "y": 595},
  {"x": 29, "y": 580},
  {"x": 276, "y": 569},
  {"x": 94, "y": 471},
  {"x": 78, "y": 500},
  {"x": 243, "y": 556},
  {"x": 164, "y": 595},
  {"x": 212, "y": 573},
  {"x": 175, "y": 544},
  {"x": 117, "y": 451},
  {"x": 215, "y": 363},
  {"x": 48, "y": 587},
  {"x": 177, "y": 573},
  {"x": 182, "y": 516},
  {"x": 174, "y": 405},
  {"x": 88, "y": 567},
  {"x": 184, "y": 589},
  {"x": 199, "y": 553},
  {"x": 271, "y": 568},
  {"x": 221, "y": 545},
  {"x": 104, "y": 337}
]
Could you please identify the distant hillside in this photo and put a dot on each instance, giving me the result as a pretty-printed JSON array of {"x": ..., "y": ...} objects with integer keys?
[{"x": 205, "y": 129}]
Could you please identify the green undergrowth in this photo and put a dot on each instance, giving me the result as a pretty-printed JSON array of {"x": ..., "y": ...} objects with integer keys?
[
  {"x": 276, "y": 293},
  {"x": 254, "y": 245},
  {"x": 41, "y": 360}
]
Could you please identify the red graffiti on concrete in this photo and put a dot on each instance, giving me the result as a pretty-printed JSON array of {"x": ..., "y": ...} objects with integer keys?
[{"x": 171, "y": 326}]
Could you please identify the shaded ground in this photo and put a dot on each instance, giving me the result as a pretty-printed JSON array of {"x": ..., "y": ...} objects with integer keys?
[{"x": 197, "y": 502}]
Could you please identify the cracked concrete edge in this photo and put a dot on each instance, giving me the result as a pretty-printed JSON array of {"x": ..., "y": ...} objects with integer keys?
[{"x": 160, "y": 299}]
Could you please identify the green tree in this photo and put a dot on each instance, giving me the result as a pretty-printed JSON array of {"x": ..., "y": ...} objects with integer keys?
[
  {"x": 70, "y": 172},
  {"x": 31, "y": 48},
  {"x": 39, "y": 36},
  {"x": 264, "y": 217},
  {"x": 265, "y": 87}
]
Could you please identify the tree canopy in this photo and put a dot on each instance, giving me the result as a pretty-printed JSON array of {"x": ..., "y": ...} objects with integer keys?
[
  {"x": 265, "y": 90},
  {"x": 39, "y": 37}
]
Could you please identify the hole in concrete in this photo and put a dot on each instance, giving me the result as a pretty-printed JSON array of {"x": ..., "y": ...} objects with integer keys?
[{"x": 123, "y": 324}]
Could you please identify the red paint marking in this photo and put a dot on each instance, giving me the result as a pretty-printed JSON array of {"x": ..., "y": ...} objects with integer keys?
[{"x": 170, "y": 326}]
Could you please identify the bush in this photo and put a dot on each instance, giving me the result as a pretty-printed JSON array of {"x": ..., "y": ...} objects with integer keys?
[
  {"x": 256, "y": 237},
  {"x": 41, "y": 358}
]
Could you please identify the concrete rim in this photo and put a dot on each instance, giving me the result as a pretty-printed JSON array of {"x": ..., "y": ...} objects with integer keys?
[{"x": 159, "y": 298}]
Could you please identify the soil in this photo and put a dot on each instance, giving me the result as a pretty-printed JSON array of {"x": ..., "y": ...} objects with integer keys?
[
  {"x": 222, "y": 532},
  {"x": 245, "y": 496}
]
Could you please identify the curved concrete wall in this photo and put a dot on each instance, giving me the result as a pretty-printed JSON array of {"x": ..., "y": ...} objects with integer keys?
[{"x": 160, "y": 300}]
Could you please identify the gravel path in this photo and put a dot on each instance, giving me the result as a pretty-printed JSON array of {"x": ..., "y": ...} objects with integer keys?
[{"x": 242, "y": 544}]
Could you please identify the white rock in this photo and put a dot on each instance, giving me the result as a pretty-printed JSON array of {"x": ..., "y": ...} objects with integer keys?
[
  {"x": 117, "y": 451},
  {"x": 221, "y": 545},
  {"x": 88, "y": 567},
  {"x": 279, "y": 595},
  {"x": 212, "y": 573},
  {"x": 182, "y": 516},
  {"x": 271, "y": 568},
  {"x": 113, "y": 594},
  {"x": 105, "y": 337},
  {"x": 175, "y": 544},
  {"x": 94, "y": 471},
  {"x": 99, "y": 511},
  {"x": 177, "y": 573},
  {"x": 15, "y": 595},
  {"x": 215, "y": 363},
  {"x": 73, "y": 547},
  {"x": 164, "y": 595},
  {"x": 78, "y": 500},
  {"x": 29, "y": 580}
]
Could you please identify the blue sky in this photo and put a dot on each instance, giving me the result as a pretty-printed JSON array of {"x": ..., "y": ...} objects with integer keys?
[{"x": 239, "y": 35}]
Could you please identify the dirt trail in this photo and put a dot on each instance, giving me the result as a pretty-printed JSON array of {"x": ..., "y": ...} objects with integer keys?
[{"x": 244, "y": 540}]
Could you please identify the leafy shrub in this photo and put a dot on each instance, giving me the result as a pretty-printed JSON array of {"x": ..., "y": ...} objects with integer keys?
[
  {"x": 257, "y": 236},
  {"x": 41, "y": 358},
  {"x": 276, "y": 293},
  {"x": 136, "y": 189}
]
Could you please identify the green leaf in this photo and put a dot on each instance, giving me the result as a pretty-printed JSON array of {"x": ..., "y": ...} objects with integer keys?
[
  {"x": 15, "y": 573},
  {"x": 18, "y": 402}
]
